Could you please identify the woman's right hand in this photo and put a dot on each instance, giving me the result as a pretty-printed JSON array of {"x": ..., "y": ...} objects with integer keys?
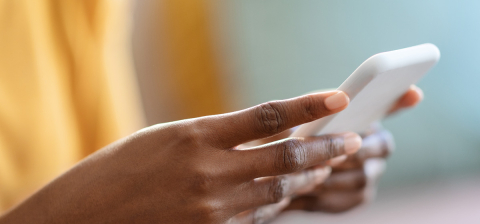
[{"x": 190, "y": 171}]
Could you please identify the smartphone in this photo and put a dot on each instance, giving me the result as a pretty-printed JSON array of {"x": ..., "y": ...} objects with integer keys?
[{"x": 373, "y": 88}]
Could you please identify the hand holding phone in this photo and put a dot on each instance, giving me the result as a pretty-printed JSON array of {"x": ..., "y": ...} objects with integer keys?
[{"x": 373, "y": 89}]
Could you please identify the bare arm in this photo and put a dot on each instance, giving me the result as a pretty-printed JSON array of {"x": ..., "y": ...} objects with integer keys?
[{"x": 191, "y": 171}]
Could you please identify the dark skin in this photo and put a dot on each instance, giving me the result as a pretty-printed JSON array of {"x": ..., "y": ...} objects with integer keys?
[
  {"x": 349, "y": 185},
  {"x": 192, "y": 171}
]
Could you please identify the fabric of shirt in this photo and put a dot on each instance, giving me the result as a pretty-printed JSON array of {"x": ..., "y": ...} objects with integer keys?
[{"x": 67, "y": 87}]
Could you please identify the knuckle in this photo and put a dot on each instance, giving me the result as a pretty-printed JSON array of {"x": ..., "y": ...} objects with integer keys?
[
  {"x": 202, "y": 182},
  {"x": 311, "y": 110},
  {"x": 259, "y": 216},
  {"x": 270, "y": 117},
  {"x": 187, "y": 132},
  {"x": 277, "y": 190},
  {"x": 264, "y": 214},
  {"x": 209, "y": 212},
  {"x": 291, "y": 156},
  {"x": 190, "y": 136}
]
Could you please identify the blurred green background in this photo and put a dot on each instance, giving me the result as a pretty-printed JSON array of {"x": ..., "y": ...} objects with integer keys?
[{"x": 282, "y": 49}]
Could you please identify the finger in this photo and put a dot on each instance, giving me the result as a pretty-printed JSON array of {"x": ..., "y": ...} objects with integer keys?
[
  {"x": 377, "y": 145},
  {"x": 374, "y": 169},
  {"x": 333, "y": 202},
  {"x": 337, "y": 197},
  {"x": 261, "y": 214},
  {"x": 282, "y": 135},
  {"x": 309, "y": 187},
  {"x": 269, "y": 190},
  {"x": 267, "y": 119},
  {"x": 353, "y": 179},
  {"x": 337, "y": 160},
  {"x": 345, "y": 181},
  {"x": 293, "y": 154},
  {"x": 374, "y": 128},
  {"x": 411, "y": 98}
]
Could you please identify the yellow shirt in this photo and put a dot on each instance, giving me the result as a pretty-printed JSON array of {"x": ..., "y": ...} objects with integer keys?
[{"x": 66, "y": 87}]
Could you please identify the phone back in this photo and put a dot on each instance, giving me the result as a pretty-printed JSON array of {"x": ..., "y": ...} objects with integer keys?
[{"x": 373, "y": 88}]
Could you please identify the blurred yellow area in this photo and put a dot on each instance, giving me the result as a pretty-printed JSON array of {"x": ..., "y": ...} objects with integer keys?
[
  {"x": 67, "y": 83},
  {"x": 189, "y": 52}
]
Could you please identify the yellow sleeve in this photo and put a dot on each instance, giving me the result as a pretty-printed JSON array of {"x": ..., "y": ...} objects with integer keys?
[{"x": 67, "y": 87}]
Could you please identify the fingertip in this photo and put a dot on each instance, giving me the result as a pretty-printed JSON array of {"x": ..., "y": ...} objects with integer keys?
[
  {"x": 284, "y": 202},
  {"x": 352, "y": 143},
  {"x": 322, "y": 173},
  {"x": 418, "y": 91},
  {"x": 412, "y": 97},
  {"x": 337, "y": 101},
  {"x": 337, "y": 160}
]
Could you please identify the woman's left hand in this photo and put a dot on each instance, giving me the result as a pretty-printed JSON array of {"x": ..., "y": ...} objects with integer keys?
[{"x": 353, "y": 180}]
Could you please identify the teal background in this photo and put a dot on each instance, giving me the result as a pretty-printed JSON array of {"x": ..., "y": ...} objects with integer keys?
[{"x": 283, "y": 49}]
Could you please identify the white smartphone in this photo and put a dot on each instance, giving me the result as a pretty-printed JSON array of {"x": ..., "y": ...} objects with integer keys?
[{"x": 373, "y": 88}]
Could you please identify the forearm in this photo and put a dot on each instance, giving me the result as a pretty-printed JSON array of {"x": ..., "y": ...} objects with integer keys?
[
  {"x": 51, "y": 204},
  {"x": 70, "y": 198}
]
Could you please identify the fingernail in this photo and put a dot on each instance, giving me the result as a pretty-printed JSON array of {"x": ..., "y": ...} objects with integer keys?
[
  {"x": 284, "y": 202},
  {"x": 321, "y": 174},
  {"x": 338, "y": 160},
  {"x": 352, "y": 143},
  {"x": 419, "y": 91},
  {"x": 337, "y": 100}
]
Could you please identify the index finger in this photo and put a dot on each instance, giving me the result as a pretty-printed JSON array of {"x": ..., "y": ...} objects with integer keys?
[{"x": 271, "y": 118}]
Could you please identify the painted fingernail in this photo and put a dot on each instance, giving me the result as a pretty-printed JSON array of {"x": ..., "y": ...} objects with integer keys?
[
  {"x": 352, "y": 143},
  {"x": 338, "y": 160},
  {"x": 337, "y": 100},
  {"x": 419, "y": 92},
  {"x": 321, "y": 174}
]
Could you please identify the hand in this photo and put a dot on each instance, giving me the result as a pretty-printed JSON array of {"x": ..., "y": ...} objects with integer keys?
[
  {"x": 353, "y": 179},
  {"x": 190, "y": 171}
]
